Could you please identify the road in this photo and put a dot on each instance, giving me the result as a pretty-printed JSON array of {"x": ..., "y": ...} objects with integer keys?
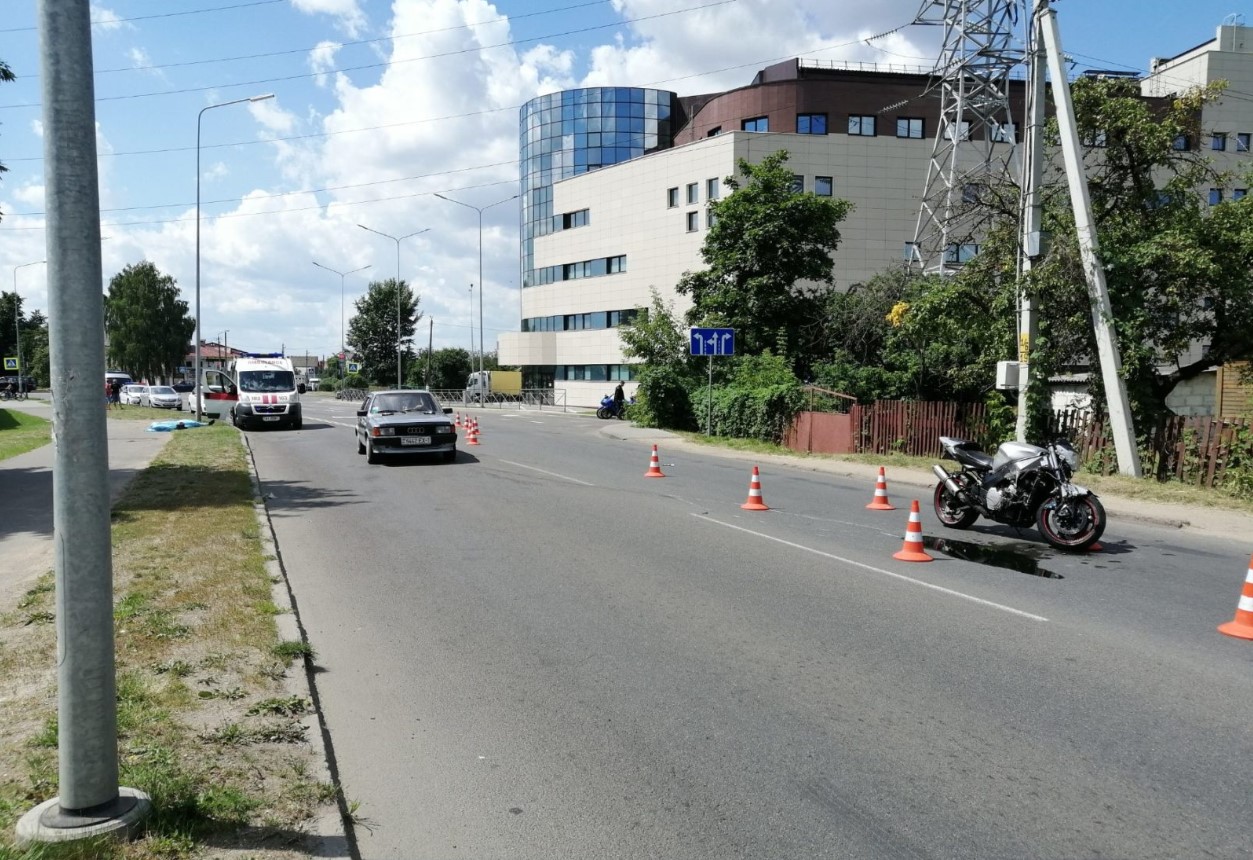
[{"x": 537, "y": 652}]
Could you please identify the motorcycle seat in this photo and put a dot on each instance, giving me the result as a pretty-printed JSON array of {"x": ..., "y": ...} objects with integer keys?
[{"x": 966, "y": 453}]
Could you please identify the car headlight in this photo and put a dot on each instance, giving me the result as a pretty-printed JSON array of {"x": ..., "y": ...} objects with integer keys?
[{"x": 383, "y": 431}]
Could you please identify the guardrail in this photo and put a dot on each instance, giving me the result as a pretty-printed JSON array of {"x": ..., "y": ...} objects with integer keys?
[{"x": 528, "y": 398}]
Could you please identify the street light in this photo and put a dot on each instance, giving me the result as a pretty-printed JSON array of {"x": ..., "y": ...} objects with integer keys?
[
  {"x": 397, "y": 240},
  {"x": 200, "y": 116},
  {"x": 343, "y": 348},
  {"x": 17, "y": 317},
  {"x": 480, "y": 210}
]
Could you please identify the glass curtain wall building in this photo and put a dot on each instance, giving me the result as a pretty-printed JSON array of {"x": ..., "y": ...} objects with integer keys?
[{"x": 567, "y": 133}]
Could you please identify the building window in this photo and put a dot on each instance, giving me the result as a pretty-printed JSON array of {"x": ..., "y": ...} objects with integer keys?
[
  {"x": 714, "y": 132},
  {"x": 1238, "y": 193},
  {"x": 672, "y": 197},
  {"x": 1004, "y": 132},
  {"x": 909, "y": 126},
  {"x": 757, "y": 123},
  {"x": 1215, "y": 196},
  {"x": 860, "y": 125},
  {"x": 693, "y": 221},
  {"x": 1218, "y": 141},
  {"x": 1095, "y": 139},
  {"x": 911, "y": 252},
  {"x": 693, "y": 193},
  {"x": 570, "y": 220},
  {"x": 963, "y": 253},
  {"x": 824, "y": 186},
  {"x": 798, "y": 184},
  {"x": 711, "y": 189},
  {"x": 972, "y": 192},
  {"x": 1242, "y": 141},
  {"x": 963, "y": 131},
  {"x": 1181, "y": 143},
  {"x": 811, "y": 123},
  {"x": 711, "y": 218}
]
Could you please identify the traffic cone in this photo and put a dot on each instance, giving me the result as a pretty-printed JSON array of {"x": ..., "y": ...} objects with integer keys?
[
  {"x": 457, "y": 423},
  {"x": 473, "y": 433},
  {"x": 755, "y": 501},
  {"x": 912, "y": 549},
  {"x": 654, "y": 466},
  {"x": 880, "y": 501},
  {"x": 1241, "y": 626}
]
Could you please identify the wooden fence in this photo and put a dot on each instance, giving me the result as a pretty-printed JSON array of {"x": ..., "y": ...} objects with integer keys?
[{"x": 1194, "y": 450}]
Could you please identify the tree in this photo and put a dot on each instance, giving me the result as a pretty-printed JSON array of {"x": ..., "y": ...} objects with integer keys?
[
  {"x": 450, "y": 367},
  {"x": 148, "y": 326},
  {"x": 372, "y": 332},
  {"x": 654, "y": 335},
  {"x": 769, "y": 258}
]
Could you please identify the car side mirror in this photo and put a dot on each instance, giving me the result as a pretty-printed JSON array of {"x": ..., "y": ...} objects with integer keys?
[
  {"x": 447, "y": 410},
  {"x": 360, "y": 413}
]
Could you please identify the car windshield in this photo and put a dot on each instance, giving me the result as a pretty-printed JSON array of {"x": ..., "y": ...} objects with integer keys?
[
  {"x": 161, "y": 389},
  {"x": 267, "y": 381},
  {"x": 416, "y": 402}
]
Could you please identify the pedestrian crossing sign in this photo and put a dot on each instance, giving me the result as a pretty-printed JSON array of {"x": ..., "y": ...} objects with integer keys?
[
  {"x": 354, "y": 367},
  {"x": 11, "y": 363}
]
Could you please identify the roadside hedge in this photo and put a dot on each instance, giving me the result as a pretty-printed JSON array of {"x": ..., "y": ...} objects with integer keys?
[{"x": 756, "y": 413}]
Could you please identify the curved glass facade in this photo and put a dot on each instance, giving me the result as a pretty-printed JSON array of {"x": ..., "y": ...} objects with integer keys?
[{"x": 570, "y": 132}]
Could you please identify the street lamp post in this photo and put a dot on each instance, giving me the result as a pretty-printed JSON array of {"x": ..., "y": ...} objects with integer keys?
[
  {"x": 17, "y": 318},
  {"x": 343, "y": 347},
  {"x": 199, "y": 116},
  {"x": 482, "y": 331},
  {"x": 397, "y": 240}
]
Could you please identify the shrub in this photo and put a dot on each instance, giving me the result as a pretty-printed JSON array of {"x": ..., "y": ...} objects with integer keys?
[
  {"x": 662, "y": 400},
  {"x": 756, "y": 413}
]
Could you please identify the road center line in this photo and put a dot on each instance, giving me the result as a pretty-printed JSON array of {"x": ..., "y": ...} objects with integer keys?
[
  {"x": 552, "y": 474},
  {"x": 900, "y": 576}
]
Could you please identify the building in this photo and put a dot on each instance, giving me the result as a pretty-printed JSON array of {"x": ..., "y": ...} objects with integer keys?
[{"x": 603, "y": 227}]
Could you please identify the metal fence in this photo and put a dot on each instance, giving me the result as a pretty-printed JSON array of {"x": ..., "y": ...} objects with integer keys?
[{"x": 528, "y": 398}]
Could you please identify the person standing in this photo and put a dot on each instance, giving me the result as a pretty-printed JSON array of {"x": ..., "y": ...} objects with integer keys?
[{"x": 619, "y": 398}]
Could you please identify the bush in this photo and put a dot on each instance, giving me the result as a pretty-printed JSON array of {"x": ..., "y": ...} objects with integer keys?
[
  {"x": 756, "y": 413},
  {"x": 662, "y": 400}
]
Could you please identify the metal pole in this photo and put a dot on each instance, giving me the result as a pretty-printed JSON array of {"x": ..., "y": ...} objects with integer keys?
[
  {"x": 1032, "y": 216},
  {"x": 86, "y": 679},
  {"x": 199, "y": 116},
  {"x": 430, "y": 346},
  {"x": 472, "y": 332},
  {"x": 1120, "y": 418},
  {"x": 397, "y": 240},
  {"x": 343, "y": 347}
]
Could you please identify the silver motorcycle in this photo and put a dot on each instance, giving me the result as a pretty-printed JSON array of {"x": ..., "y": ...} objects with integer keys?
[{"x": 1020, "y": 485}]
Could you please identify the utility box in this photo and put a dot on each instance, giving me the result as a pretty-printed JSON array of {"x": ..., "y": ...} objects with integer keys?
[{"x": 1007, "y": 375}]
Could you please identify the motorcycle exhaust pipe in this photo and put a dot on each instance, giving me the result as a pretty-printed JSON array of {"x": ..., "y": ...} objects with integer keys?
[{"x": 949, "y": 483}]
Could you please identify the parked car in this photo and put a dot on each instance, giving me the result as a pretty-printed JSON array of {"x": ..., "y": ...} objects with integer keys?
[
  {"x": 163, "y": 397},
  {"x": 404, "y": 422},
  {"x": 133, "y": 394},
  {"x": 183, "y": 387}
]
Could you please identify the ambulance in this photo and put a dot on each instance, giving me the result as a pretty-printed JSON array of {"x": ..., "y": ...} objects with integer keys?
[{"x": 256, "y": 390}]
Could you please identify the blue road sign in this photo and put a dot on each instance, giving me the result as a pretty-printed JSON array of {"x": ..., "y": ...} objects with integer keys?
[
  {"x": 713, "y": 341},
  {"x": 10, "y": 363}
]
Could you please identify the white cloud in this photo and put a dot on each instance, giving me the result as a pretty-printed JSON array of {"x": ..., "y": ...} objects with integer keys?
[
  {"x": 347, "y": 13},
  {"x": 216, "y": 170},
  {"x": 105, "y": 20},
  {"x": 322, "y": 60},
  {"x": 272, "y": 117}
]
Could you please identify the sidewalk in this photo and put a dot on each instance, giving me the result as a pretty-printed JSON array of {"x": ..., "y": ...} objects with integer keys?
[
  {"x": 1215, "y": 521},
  {"x": 26, "y": 542}
]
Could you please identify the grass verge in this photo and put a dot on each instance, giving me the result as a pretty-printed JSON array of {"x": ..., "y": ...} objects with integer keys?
[
  {"x": 21, "y": 432},
  {"x": 206, "y": 723}
]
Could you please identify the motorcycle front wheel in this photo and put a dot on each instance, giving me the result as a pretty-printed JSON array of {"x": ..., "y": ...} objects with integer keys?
[
  {"x": 1072, "y": 524},
  {"x": 950, "y": 511}
]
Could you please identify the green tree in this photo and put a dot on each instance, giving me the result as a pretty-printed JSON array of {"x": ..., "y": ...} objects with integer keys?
[
  {"x": 654, "y": 335},
  {"x": 769, "y": 262},
  {"x": 449, "y": 368},
  {"x": 372, "y": 333},
  {"x": 147, "y": 324}
]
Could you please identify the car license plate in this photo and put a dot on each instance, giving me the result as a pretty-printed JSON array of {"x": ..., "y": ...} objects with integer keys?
[
  {"x": 269, "y": 417},
  {"x": 415, "y": 440}
]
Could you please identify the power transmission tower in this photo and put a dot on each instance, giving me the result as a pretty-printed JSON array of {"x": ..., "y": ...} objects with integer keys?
[{"x": 975, "y": 147}]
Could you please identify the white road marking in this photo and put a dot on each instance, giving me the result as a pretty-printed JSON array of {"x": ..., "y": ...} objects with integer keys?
[
  {"x": 909, "y": 579},
  {"x": 552, "y": 474}
]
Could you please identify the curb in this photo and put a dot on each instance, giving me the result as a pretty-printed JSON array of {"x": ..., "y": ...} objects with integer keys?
[{"x": 331, "y": 837}]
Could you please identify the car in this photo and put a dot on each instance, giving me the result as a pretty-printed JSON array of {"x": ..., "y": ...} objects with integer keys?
[
  {"x": 133, "y": 394},
  {"x": 399, "y": 422},
  {"x": 314, "y": 382},
  {"x": 163, "y": 397},
  {"x": 183, "y": 387}
]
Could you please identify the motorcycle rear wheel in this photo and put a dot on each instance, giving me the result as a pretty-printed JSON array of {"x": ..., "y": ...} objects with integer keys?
[
  {"x": 604, "y": 412},
  {"x": 951, "y": 512},
  {"x": 1074, "y": 524}
]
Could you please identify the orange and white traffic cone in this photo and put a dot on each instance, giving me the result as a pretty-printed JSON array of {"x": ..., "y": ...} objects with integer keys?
[
  {"x": 1241, "y": 626},
  {"x": 654, "y": 466},
  {"x": 755, "y": 501},
  {"x": 473, "y": 433},
  {"x": 880, "y": 501},
  {"x": 912, "y": 549},
  {"x": 457, "y": 423}
]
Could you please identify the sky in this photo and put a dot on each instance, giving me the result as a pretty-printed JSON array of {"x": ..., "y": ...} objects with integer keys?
[{"x": 378, "y": 106}]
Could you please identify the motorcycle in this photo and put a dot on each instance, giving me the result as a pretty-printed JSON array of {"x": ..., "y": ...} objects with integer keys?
[
  {"x": 1021, "y": 485},
  {"x": 609, "y": 410}
]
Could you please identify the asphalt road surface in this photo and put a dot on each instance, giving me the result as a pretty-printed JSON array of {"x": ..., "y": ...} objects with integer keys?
[{"x": 536, "y": 652}]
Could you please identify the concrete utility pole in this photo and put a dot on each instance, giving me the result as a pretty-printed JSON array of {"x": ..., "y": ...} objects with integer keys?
[
  {"x": 90, "y": 802},
  {"x": 1031, "y": 215},
  {"x": 1120, "y": 418}
]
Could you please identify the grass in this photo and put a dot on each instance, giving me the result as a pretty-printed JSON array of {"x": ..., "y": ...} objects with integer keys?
[
  {"x": 1146, "y": 489},
  {"x": 206, "y": 723},
  {"x": 21, "y": 432},
  {"x": 147, "y": 413}
]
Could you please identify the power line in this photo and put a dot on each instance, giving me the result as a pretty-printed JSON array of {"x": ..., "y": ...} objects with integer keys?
[{"x": 110, "y": 21}]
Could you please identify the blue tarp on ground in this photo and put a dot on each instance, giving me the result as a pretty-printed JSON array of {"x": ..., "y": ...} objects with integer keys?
[{"x": 163, "y": 426}]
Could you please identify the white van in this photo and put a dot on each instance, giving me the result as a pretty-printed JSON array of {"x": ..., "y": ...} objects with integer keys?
[{"x": 254, "y": 391}]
